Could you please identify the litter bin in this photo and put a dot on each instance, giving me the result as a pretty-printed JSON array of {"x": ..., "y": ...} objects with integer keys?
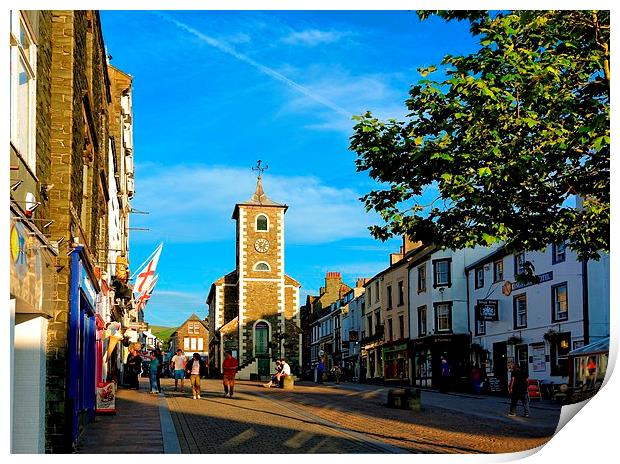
[{"x": 404, "y": 398}]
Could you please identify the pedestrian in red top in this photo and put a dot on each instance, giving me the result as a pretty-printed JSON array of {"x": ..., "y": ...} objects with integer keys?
[{"x": 230, "y": 366}]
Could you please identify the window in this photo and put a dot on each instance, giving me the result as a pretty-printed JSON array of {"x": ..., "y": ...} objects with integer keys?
[
  {"x": 479, "y": 277},
  {"x": 369, "y": 290},
  {"x": 520, "y": 311},
  {"x": 498, "y": 271},
  {"x": 23, "y": 87},
  {"x": 443, "y": 317},
  {"x": 441, "y": 272},
  {"x": 422, "y": 278},
  {"x": 370, "y": 325},
  {"x": 389, "y": 297},
  {"x": 559, "y": 302},
  {"x": 390, "y": 332},
  {"x": 401, "y": 294},
  {"x": 559, "y": 354},
  {"x": 422, "y": 320},
  {"x": 262, "y": 266},
  {"x": 377, "y": 291},
  {"x": 481, "y": 327},
  {"x": 520, "y": 263},
  {"x": 185, "y": 344},
  {"x": 262, "y": 223},
  {"x": 559, "y": 252},
  {"x": 401, "y": 326}
]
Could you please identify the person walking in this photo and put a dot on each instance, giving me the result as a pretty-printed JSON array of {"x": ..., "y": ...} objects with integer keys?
[
  {"x": 195, "y": 368},
  {"x": 153, "y": 371},
  {"x": 229, "y": 366},
  {"x": 517, "y": 388},
  {"x": 445, "y": 375},
  {"x": 177, "y": 363},
  {"x": 134, "y": 367},
  {"x": 319, "y": 371}
]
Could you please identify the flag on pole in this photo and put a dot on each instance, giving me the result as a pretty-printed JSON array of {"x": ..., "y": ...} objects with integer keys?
[
  {"x": 144, "y": 298},
  {"x": 147, "y": 273}
]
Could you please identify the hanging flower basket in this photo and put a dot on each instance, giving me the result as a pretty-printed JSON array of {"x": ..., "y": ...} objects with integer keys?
[
  {"x": 551, "y": 336},
  {"x": 514, "y": 340},
  {"x": 477, "y": 347}
]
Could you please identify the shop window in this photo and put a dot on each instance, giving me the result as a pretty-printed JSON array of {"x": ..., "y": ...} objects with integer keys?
[
  {"x": 479, "y": 277},
  {"x": 559, "y": 252},
  {"x": 441, "y": 273},
  {"x": 422, "y": 278},
  {"x": 520, "y": 311},
  {"x": 560, "y": 348},
  {"x": 422, "y": 320},
  {"x": 559, "y": 302},
  {"x": 443, "y": 317},
  {"x": 23, "y": 65},
  {"x": 262, "y": 223},
  {"x": 498, "y": 271}
]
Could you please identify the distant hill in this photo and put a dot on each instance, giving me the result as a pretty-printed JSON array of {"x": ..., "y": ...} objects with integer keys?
[{"x": 163, "y": 333}]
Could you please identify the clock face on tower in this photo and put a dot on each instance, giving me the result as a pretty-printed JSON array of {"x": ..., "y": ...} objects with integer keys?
[{"x": 261, "y": 245}]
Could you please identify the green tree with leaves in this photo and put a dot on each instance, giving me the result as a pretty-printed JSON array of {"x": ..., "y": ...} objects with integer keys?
[{"x": 502, "y": 142}]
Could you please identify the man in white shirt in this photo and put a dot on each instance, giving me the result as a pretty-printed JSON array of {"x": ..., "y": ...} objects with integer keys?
[
  {"x": 285, "y": 370},
  {"x": 178, "y": 364}
]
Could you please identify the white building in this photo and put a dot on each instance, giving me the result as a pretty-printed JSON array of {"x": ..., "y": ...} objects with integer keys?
[
  {"x": 438, "y": 315},
  {"x": 535, "y": 322}
]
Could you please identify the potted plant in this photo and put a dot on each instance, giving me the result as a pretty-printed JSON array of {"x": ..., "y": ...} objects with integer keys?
[
  {"x": 551, "y": 336},
  {"x": 514, "y": 340}
]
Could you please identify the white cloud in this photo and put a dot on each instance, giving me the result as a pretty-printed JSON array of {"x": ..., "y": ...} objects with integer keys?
[
  {"x": 195, "y": 203},
  {"x": 313, "y": 37}
]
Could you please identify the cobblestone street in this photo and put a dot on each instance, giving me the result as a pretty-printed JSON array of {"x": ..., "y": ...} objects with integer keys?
[{"x": 349, "y": 419}]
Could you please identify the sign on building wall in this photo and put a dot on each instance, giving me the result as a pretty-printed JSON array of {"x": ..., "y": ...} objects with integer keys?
[
  {"x": 26, "y": 268},
  {"x": 488, "y": 310}
]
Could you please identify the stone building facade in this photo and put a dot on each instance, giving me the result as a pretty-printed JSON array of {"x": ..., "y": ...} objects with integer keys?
[
  {"x": 254, "y": 310},
  {"x": 192, "y": 337},
  {"x": 60, "y": 198}
]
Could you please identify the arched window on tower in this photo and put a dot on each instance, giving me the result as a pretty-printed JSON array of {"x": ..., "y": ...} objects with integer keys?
[
  {"x": 262, "y": 223},
  {"x": 262, "y": 266}
]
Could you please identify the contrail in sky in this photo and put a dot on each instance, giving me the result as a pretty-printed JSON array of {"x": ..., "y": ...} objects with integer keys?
[{"x": 225, "y": 48}]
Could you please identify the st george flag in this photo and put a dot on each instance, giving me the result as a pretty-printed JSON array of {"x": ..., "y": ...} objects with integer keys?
[
  {"x": 145, "y": 280},
  {"x": 143, "y": 298}
]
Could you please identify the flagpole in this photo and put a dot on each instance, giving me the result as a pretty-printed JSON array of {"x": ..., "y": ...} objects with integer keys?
[{"x": 161, "y": 244}]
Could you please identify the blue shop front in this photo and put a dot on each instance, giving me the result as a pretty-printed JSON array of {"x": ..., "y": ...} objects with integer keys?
[{"x": 81, "y": 391}]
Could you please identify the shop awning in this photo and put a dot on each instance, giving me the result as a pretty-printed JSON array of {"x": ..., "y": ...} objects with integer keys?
[{"x": 599, "y": 346}]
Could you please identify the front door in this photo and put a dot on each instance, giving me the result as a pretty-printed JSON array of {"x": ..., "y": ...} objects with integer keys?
[
  {"x": 261, "y": 339},
  {"x": 500, "y": 368},
  {"x": 263, "y": 368}
]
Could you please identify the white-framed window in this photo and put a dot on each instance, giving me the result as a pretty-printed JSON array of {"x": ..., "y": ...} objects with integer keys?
[
  {"x": 559, "y": 252},
  {"x": 479, "y": 277},
  {"x": 186, "y": 344},
  {"x": 422, "y": 278},
  {"x": 23, "y": 85},
  {"x": 559, "y": 298},
  {"x": 201, "y": 344},
  {"x": 262, "y": 223},
  {"x": 520, "y": 311},
  {"x": 520, "y": 263},
  {"x": 443, "y": 317},
  {"x": 262, "y": 266},
  {"x": 498, "y": 270},
  {"x": 442, "y": 272}
]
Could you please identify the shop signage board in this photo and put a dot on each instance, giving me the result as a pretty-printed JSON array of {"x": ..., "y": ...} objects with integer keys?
[
  {"x": 488, "y": 310},
  {"x": 26, "y": 268},
  {"x": 494, "y": 384},
  {"x": 106, "y": 398}
]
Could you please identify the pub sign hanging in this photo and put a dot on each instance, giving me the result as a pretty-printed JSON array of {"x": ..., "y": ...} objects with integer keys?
[{"x": 487, "y": 310}]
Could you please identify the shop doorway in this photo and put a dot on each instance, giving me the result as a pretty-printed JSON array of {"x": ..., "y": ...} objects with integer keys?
[{"x": 500, "y": 368}]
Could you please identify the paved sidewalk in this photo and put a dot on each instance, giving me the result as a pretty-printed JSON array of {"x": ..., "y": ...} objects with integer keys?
[{"x": 141, "y": 425}]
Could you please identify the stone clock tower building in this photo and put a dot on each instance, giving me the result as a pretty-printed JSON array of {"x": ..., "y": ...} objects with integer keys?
[{"x": 254, "y": 310}]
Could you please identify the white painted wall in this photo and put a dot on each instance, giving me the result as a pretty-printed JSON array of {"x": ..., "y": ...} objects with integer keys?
[
  {"x": 28, "y": 386},
  {"x": 598, "y": 297},
  {"x": 539, "y": 306}
]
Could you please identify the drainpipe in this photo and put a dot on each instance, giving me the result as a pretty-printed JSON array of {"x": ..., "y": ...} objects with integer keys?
[{"x": 586, "y": 307}]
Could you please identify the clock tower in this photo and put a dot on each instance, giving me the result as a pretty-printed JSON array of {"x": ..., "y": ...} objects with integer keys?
[{"x": 267, "y": 322}]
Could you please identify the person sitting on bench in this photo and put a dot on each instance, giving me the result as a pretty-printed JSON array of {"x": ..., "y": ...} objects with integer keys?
[
  {"x": 275, "y": 377},
  {"x": 286, "y": 370}
]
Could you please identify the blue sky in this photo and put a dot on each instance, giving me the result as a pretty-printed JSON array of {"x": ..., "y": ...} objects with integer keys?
[{"x": 215, "y": 90}]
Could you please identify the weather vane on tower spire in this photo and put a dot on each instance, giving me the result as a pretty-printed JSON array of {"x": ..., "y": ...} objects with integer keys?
[{"x": 260, "y": 169}]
